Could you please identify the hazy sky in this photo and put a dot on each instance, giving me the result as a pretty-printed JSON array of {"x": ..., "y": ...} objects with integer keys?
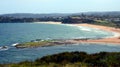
[{"x": 57, "y": 6}]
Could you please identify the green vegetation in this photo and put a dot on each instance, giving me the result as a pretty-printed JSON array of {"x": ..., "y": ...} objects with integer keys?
[
  {"x": 35, "y": 44},
  {"x": 102, "y": 21},
  {"x": 27, "y": 20},
  {"x": 105, "y": 23},
  {"x": 74, "y": 20},
  {"x": 105, "y": 19},
  {"x": 43, "y": 43},
  {"x": 73, "y": 59}
]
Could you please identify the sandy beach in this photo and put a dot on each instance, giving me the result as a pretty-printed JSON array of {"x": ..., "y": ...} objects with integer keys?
[
  {"x": 114, "y": 40},
  {"x": 49, "y": 22}
]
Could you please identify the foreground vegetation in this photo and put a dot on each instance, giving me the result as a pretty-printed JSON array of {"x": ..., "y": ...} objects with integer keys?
[{"x": 73, "y": 59}]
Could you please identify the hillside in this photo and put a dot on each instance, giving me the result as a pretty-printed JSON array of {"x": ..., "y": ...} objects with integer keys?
[{"x": 73, "y": 59}]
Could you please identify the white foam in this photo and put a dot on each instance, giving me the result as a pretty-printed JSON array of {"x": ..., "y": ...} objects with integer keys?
[
  {"x": 84, "y": 28},
  {"x": 15, "y": 44},
  {"x": 80, "y": 27},
  {"x": 2, "y": 48},
  {"x": 116, "y": 34}
]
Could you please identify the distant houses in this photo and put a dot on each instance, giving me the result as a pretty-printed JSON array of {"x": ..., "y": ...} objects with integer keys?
[
  {"x": 74, "y": 20},
  {"x": 99, "y": 19}
]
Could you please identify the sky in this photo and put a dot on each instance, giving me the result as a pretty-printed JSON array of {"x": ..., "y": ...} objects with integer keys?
[{"x": 58, "y": 6}]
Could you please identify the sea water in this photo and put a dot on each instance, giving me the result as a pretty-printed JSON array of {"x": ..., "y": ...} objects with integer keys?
[{"x": 11, "y": 33}]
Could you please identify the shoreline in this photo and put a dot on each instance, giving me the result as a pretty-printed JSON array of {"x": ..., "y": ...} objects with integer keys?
[
  {"x": 113, "y": 39},
  {"x": 105, "y": 40},
  {"x": 49, "y": 22}
]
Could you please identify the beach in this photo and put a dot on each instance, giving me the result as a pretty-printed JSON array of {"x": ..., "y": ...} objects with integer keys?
[
  {"x": 27, "y": 33},
  {"x": 49, "y": 22},
  {"x": 113, "y": 39}
]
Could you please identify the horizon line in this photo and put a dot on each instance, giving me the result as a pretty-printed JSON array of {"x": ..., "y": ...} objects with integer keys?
[{"x": 59, "y": 12}]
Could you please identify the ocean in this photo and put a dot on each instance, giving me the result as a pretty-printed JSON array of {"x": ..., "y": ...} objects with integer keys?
[{"x": 11, "y": 33}]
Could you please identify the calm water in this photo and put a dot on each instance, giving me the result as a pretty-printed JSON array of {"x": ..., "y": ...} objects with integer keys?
[{"x": 11, "y": 33}]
